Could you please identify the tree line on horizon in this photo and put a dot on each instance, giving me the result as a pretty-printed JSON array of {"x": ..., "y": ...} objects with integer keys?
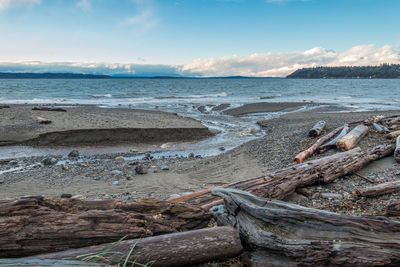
[{"x": 384, "y": 71}]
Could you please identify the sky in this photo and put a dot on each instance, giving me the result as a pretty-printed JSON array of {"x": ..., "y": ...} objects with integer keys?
[{"x": 265, "y": 38}]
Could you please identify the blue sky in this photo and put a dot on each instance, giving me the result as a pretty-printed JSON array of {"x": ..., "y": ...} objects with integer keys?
[{"x": 196, "y": 37}]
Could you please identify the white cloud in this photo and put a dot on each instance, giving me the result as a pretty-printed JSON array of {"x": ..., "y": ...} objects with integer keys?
[
  {"x": 18, "y": 3},
  {"x": 145, "y": 19},
  {"x": 85, "y": 5},
  {"x": 282, "y": 64},
  {"x": 260, "y": 65}
]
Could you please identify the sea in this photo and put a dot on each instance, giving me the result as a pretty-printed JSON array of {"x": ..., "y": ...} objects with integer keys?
[{"x": 197, "y": 98}]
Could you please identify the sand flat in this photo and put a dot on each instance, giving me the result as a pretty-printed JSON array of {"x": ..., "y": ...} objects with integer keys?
[{"x": 89, "y": 124}]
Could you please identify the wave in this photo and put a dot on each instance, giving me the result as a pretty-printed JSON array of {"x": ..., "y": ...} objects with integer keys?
[
  {"x": 223, "y": 94},
  {"x": 101, "y": 96}
]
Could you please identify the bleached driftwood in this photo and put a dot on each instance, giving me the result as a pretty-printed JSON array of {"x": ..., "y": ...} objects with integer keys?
[
  {"x": 42, "y": 120},
  {"x": 397, "y": 150},
  {"x": 393, "y": 135},
  {"x": 311, "y": 150},
  {"x": 351, "y": 139},
  {"x": 332, "y": 143},
  {"x": 317, "y": 129}
]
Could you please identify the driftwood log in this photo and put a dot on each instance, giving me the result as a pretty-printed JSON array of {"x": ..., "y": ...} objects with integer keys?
[
  {"x": 379, "y": 128},
  {"x": 380, "y": 189},
  {"x": 393, "y": 208},
  {"x": 317, "y": 129},
  {"x": 42, "y": 120},
  {"x": 49, "y": 109},
  {"x": 36, "y": 225},
  {"x": 311, "y": 150},
  {"x": 397, "y": 150},
  {"x": 45, "y": 263},
  {"x": 393, "y": 135},
  {"x": 177, "y": 249},
  {"x": 293, "y": 235},
  {"x": 332, "y": 144},
  {"x": 351, "y": 139},
  {"x": 282, "y": 183}
]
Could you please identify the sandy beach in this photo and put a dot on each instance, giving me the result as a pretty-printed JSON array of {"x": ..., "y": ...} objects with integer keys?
[{"x": 109, "y": 176}]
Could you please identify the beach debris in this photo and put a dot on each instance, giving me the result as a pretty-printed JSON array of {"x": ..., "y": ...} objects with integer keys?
[
  {"x": 42, "y": 120},
  {"x": 140, "y": 169},
  {"x": 77, "y": 197},
  {"x": 365, "y": 178},
  {"x": 55, "y": 224},
  {"x": 374, "y": 119},
  {"x": 311, "y": 150},
  {"x": 164, "y": 167},
  {"x": 49, "y": 109},
  {"x": 368, "y": 241},
  {"x": 66, "y": 195},
  {"x": 332, "y": 144},
  {"x": 4, "y": 106},
  {"x": 317, "y": 129},
  {"x": 351, "y": 139},
  {"x": 120, "y": 159},
  {"x": 73, "y": 154},
  {"x": 379, "y": 128},
  {"x": 380, "y": 189},
  {"x": 282, "y": 183},
  {"x": 397, "y": 150},
  {"x": 393, "y": 135},
  {"x": 178, "y": 249},
  {"x": 49, "y": 161}
]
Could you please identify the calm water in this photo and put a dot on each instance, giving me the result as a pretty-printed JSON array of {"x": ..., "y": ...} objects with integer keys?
[{"x": 185, "y": 96}]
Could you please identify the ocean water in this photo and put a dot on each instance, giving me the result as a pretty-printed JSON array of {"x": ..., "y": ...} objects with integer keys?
[{"x": 196, "y": 98}]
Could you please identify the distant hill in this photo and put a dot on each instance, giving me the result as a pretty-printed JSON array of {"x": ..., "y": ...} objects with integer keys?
[
  {"x": 368, "y": 72},
  {"x": 10, "y": 75}
]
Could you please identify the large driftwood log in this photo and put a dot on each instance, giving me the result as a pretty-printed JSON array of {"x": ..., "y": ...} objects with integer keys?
[
  {"x": 317, "y": 129},
  {"x": 351, "y": 139},
  {"x": 45, "y": 263},
  {"x": 380, "y": 189},
  {"x": 393, "y": 135},
  {"x": 397, "y": 150},
  {"x": 282, "y": 183},
  {"x": 332, "y": 143},
  {"x": 311, "y": 150},
  {"x": 302, "y": 236},
  {"x": 177, "y": 249},
  {"x": 36, "y": 225}
]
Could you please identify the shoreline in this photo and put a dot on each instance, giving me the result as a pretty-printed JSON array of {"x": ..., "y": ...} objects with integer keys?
[{"x": 107, "y": 176}]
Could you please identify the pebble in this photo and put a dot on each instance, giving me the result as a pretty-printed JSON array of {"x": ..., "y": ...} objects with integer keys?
[
  {"x": 164, "y": 167},
  {"x": 64, "y": 167},
  {"x": 73, "y": 154},
  {"x": 140, "y": 169},
  {"x": 222, "y": 148},
  {"x": 115, "y": 183},
  {"x": 66, "y": 195},
  {"x": 116, "y": 172},
  {"x": 49, "y": 161},
  {"x": 331, "y": 196},
  {"x": 120, "y": 159}
]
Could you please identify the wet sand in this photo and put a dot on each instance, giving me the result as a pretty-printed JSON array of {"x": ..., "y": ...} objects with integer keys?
[
  {"x": 266, "y": 107},
  {"x": 93, "y": 125}
]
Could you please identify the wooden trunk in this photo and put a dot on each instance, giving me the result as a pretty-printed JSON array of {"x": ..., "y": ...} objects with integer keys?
[
  {"x": 35, "y": 225},
  {"x": 378, "y": 128},
  {"x": 293, "y": 235},
  {"x": 177, "y": 249},
  {"x": 380, "y": 189},
  {"x": 317, "y": 129},
  {"x": 311, "y": 150},
  {"x": 282, "y": 183},
  {"x": 351, "y": 139},
  {"x": 332, "y": 143},
  {"x": 393, "y": 135},
  {"x": 397, "y": 150}
]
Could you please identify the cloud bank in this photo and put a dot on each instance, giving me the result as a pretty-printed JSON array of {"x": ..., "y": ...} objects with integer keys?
[
  {"x": 256, "y": 65},
  {"x": 18, "y": 3}
]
